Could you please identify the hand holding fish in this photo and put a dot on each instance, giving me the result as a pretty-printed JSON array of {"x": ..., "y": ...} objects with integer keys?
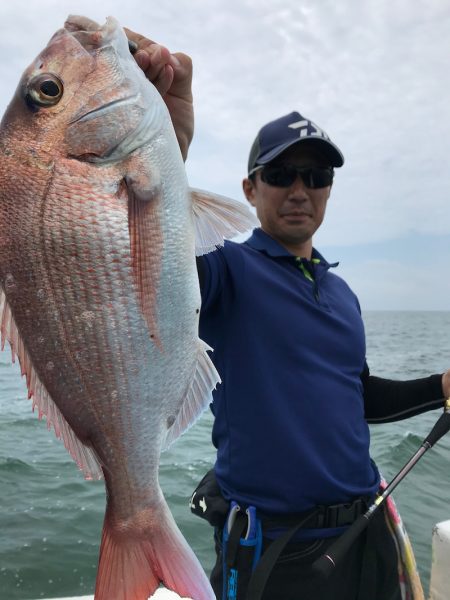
[{"x": 171, "y": 74}]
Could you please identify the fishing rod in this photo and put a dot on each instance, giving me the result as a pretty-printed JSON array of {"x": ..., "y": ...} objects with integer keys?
[{"x": 326, "y": 563}]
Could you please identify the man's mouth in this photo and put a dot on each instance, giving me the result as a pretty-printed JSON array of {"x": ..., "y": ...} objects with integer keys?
[{"x": 295, "y": 214}]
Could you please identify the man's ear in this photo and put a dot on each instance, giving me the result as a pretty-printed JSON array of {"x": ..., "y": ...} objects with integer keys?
[{"x": 248, "y": 185}]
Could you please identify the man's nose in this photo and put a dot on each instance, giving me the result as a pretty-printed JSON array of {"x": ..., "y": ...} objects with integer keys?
[{"x": 298, "y": 189}]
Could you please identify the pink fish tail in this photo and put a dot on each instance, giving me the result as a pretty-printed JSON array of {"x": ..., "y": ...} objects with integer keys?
[{"x": 131, "y": 567}]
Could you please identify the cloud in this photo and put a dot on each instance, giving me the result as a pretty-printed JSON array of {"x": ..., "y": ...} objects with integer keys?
[{"x": 373, "y": 74}]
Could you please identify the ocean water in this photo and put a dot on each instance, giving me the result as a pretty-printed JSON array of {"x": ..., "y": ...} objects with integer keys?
[{"x": 50, "y": 518}]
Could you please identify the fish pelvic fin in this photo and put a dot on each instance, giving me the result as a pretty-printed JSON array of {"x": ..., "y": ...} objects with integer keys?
[
  {"x": 147, "y": 549},
  {"x": 82, "y": 454},
  {"x": 217, "y": 218},
  {"x": 198, "y": 395}
]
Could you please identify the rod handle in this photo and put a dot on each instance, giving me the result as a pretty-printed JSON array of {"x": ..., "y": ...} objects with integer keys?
[
  {"x": 325, "y": 564},
  {"x": 440, "y": 428}
]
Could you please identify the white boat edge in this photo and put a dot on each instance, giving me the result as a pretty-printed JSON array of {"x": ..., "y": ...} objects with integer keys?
[
  {"x": 439, "y": 577},
  {"x": 161, "y": 594},
  {"x": 440, "y": 562}
]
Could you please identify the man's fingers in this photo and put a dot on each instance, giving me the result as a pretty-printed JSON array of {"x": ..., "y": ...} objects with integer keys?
[
  {"x": 153, "y": 58},
  {"x": 182, "y": 64},
  {"x": 182, "y": 68},
  {"x": 446, "y": 384},
  {"x": 165, "y": 70},
  {"x": 155, "y": 61},
  {"x": 171, "y": 74},
  {"x": 142, "y": 59},
  {"x": 164, "y": 80},
  {"x": 137, "y": 37}
]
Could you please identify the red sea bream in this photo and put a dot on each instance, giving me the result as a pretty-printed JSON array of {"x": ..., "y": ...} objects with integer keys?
[{"x": 99, "y": 295}]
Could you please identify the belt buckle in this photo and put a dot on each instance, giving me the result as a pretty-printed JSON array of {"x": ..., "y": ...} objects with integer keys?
[
  {"x": 341, "y": 515},
  {"x": 321, "y": 517}
]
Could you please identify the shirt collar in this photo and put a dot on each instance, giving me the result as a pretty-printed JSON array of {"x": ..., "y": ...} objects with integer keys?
[{"x": 260, "y": 240}]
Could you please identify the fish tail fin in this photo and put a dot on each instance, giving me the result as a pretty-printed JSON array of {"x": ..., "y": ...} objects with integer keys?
[{"x": 138, "y": 555}]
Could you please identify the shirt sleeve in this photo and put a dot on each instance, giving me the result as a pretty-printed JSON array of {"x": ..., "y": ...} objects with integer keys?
[
  {"x": 212, "y": 274},
  {"x": 388, "y": 400}
]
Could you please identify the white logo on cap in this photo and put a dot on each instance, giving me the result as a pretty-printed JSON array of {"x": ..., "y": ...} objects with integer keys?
[{"x": 302, "y": 126}]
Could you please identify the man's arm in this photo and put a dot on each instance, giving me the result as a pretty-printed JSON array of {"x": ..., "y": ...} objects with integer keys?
[
  {"x": 171, "y": 74},
  {"x": 387, "y": 400}
]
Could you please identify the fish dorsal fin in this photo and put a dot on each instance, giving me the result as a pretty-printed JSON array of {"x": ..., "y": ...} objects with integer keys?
[
  {"x": 197, "y": 397},
  {"x": 217, "y": 218},
  {"x": 82, "y": 454}
]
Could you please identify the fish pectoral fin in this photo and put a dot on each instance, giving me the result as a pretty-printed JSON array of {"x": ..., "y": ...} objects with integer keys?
[
  {"x": 146, "y": 245},
  {"x": 198, "y": 396},
  {"x": 217, "y": 218},
  {"x": 82, "y": 454},
  {"x": 142, "y": 188}
]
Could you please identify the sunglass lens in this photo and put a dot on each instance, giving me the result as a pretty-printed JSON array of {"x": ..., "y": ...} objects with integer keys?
[
  {"x": 318, "y": 177},
  {"x": 282, "y": 176},
  {"x": 285, "y": 175}
]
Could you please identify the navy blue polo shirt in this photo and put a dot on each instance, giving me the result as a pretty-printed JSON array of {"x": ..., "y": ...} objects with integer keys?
[{"x": 289, "y": 345}]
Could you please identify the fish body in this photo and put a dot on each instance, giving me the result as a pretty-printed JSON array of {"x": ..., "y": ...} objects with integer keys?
[{"x": 99, "y": 295}]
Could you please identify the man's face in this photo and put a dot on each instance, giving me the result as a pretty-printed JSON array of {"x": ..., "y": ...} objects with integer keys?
[{"x": 291, "y": 215}]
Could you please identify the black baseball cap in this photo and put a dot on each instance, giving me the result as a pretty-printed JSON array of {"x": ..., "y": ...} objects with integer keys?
[{"x": 275, "y": 137}]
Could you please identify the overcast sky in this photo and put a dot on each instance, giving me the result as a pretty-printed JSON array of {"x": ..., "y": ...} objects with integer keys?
[{"x": 375, "y": 74}]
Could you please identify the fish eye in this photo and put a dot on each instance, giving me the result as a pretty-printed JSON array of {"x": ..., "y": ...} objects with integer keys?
[{"x": 45, "y": 90}]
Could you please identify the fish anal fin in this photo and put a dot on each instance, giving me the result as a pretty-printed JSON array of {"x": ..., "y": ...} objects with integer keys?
[
  {"x": 217, "y": 218},
  {"x": 41, "y": 400},
  {"x": 146, "y": 246},
  {"x": 198, "y": 395}
]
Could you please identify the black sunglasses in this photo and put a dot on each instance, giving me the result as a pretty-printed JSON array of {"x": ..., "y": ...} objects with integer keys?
[{"x": 285, "y": 175}]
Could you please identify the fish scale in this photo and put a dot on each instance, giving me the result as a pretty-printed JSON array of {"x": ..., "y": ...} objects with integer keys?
[{"x": 99, "y": 296}]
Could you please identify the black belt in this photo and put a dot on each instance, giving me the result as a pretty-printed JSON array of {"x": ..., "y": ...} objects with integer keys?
[
  {"x": 321, "y": 517},
  {"x": 336, "y": 515}
]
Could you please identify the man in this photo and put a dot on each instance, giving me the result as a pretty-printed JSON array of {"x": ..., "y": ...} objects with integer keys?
[{"x": 291, "y": 414}]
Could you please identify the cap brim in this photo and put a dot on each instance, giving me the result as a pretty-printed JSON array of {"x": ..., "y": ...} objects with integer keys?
[{"x": 327, "y": 148}]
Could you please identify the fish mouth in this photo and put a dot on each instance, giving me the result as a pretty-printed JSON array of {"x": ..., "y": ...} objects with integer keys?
[
  {"x": 78, "y": 23},
  {"x": 91, "y": 36},
  {"x": 92, "y": 133}
]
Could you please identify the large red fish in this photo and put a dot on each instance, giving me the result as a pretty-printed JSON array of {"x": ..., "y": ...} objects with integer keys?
[{"x": 99, "y": 295}]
